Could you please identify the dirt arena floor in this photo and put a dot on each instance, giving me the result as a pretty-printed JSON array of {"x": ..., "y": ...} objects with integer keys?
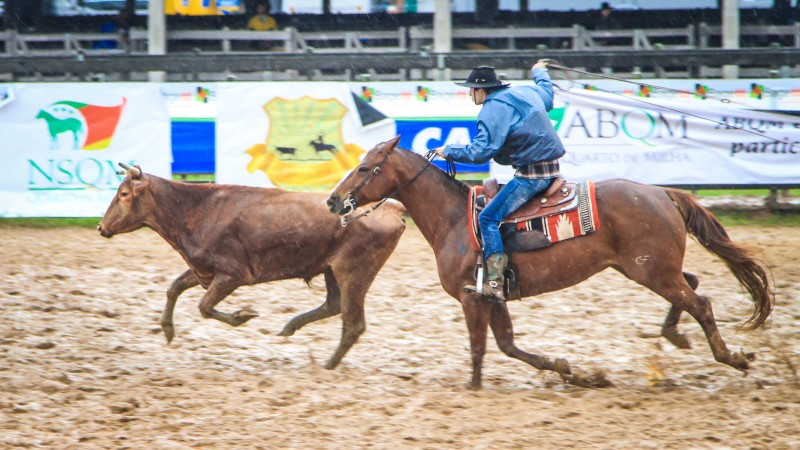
[{"x": 84, "y": 365}]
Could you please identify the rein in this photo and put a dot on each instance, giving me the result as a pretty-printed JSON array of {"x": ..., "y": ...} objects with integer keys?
[{"x": 351, "y": 196}]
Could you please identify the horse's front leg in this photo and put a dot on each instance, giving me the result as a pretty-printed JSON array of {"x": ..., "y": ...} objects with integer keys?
[
  {"x": 503, "y": 331},
  {"x": 221, "y": 287},
  {"x": 476, "y": 313},
  {"x": 184, "y": 281}
]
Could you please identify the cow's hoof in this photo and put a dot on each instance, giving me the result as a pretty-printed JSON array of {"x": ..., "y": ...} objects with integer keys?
[
  {"x": 677, "y": 339},
  {"x": 243, "y": 316},
  {"x": 169, "y": 331},
  {"x": 287, "y": 331}
]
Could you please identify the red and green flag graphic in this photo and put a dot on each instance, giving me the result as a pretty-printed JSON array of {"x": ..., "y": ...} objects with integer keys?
[{"x": 100, "y": 122}]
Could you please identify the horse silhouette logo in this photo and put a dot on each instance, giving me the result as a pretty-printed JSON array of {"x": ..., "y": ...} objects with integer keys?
[
  {"x": 87, "y": 127},
  {"x": 320, "y": 146}
]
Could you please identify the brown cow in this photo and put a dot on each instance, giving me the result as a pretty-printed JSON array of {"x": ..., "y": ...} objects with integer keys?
[{"x": 232, "y": 236}]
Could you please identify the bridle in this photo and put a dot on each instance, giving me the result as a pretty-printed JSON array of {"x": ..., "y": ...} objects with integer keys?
[{"x": 350, "y": 201}]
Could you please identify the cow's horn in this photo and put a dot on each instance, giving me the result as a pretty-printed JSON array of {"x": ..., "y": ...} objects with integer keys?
[{"x": 135, "y": 171}]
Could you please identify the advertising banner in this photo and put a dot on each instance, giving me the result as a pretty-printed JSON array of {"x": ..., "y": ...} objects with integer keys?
[
  {"x": 295, "y": 136},
  {"x": 691, "y": 133},
  {"x": 428, "y": 115},
  {"x": 61, "y": 144},
  {"x": 668, "y": 142}
]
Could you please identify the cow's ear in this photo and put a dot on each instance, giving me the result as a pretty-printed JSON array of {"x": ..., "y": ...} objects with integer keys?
[{"x": 139, "y": 186}]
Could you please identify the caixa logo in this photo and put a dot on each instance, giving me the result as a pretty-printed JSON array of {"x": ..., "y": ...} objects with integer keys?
[{"x": 73, "y": 174}]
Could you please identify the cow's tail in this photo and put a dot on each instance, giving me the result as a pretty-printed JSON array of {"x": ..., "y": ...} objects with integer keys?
[{"x": 751, "y": 273}]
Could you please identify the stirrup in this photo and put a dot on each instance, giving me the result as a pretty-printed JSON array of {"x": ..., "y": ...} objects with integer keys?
[{"x": 492, "y": 291}]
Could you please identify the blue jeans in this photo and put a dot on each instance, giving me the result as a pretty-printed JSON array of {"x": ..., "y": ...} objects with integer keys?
[{"x": 512, "y": 196}]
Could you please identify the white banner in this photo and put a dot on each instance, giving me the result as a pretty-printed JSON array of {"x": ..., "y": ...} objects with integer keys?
[
  {"x": 61, "y": 144},
  {"x": 658, "y": 141},
  {"x": 296, "y": 136}
]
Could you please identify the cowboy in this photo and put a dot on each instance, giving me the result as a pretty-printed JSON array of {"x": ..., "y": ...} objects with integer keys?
[{"x": 513, "y": 129}]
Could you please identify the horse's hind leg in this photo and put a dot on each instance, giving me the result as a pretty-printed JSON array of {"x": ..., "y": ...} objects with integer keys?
[
  {"x": 670, "y": 328},
  {"x": 184, "y": 281},
  {"x": 504, "y": 334},
  {"x": 331, "y": 307},
  {"x": 686, "y": 299}
]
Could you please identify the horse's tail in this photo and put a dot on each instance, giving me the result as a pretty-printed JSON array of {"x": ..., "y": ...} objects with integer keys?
[{"x": 750, "y": 272}]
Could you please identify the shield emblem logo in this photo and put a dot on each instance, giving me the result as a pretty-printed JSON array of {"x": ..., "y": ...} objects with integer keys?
[{"x": 304, "y": 148}]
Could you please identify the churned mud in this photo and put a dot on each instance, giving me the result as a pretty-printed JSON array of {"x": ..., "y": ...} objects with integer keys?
[{"x": 84, "y": 364}]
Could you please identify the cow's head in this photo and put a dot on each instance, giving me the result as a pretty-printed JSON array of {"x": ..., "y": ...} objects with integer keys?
[{"x": 127, "y": 211}]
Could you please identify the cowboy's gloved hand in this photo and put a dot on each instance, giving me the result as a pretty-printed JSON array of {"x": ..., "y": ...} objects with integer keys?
[{"x": 540, "y": 64}]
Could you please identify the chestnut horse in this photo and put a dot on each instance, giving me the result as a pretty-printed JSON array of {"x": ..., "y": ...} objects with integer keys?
[{"x": 642, "y": 235}]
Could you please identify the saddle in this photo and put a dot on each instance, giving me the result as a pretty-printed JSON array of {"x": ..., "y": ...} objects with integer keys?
[
  {"x": 563, "y": 211},
  {"x": 559, "y": 196}
]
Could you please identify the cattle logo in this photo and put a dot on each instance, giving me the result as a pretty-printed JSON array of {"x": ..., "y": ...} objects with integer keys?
[
  {"x": 304, "y": 149},
  {"x": 81, "y": 126}
]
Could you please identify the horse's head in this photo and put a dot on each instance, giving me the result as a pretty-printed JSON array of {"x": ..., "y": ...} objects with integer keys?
[{"x": 368, "y": 182}]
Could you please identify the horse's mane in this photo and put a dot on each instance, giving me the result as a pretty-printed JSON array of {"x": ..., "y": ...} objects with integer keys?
[{"x": 464, "y": 187}]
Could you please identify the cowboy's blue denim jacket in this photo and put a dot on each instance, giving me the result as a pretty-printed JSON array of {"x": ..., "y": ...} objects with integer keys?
[{"x": 513, "y": 127}]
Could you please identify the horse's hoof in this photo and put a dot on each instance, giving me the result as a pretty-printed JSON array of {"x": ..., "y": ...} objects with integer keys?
[
  {"x": 677, "y": 339},
  {"x": 473, "y": 386},
  {"x": 739, "y": 361},
  {"x": 561, "y": 366},
  {"x": 330, "y": 365}
]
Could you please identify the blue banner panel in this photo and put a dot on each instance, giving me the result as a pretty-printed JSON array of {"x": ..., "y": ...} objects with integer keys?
[{"x": 193, "y": 147}]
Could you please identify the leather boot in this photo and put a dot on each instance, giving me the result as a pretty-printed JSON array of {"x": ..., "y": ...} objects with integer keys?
[{"x": 495, "y": 278}]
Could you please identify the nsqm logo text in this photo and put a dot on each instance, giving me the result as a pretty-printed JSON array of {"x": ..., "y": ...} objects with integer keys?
[{"x": 71, "y": 174}]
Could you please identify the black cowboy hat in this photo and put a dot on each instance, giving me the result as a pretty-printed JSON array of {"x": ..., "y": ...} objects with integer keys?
[{"x": 482, "y": 77}]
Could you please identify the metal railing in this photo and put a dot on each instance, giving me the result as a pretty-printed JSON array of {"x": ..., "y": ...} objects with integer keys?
[
  {"x": 403, "y": 53},
  {"x": 413, "y": 39}
]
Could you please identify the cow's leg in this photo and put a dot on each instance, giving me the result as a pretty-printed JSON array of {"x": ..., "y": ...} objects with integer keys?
[
  {"x": 220, "y": 288},
  {"x": 353, "y": 291},
  {"x": 184, "y": 281},
  {"x": 331, "y": 307},
  {"x": 503, "y": 331}
]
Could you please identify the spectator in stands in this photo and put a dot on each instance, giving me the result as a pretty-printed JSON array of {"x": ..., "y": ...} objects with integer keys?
[
  {"x": 119, "y": 24},
  {"x": 262, "y": 21},
  {"x": 606, "y": 19}
]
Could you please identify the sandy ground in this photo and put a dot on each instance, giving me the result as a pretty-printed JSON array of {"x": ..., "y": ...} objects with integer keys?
[{"x": 83, "y": 363}]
